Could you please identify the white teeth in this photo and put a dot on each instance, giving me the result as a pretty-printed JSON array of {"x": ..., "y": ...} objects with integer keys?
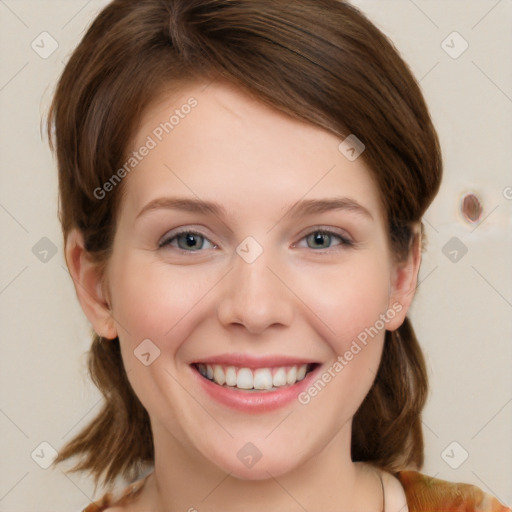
[
  {"x": 218, "y": 375},
  {"x": 291, "y": 376},
  {"x": 301, "y": 372},
  {"x": 230, "y": 376},
  {"x": 244, "y": 379},
  {"x": 279, "y": 378},
  {"x": 260, "y": 378}
]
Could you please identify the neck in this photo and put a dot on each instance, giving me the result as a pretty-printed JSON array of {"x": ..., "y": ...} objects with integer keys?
[{"x": 183, "y": 480}]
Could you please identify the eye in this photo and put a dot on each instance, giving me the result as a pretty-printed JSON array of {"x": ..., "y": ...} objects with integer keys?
[
  {"x": 186, "y": 240},
  {"x": 193, "y": 241},
  {"x": 322, "y": 238}
]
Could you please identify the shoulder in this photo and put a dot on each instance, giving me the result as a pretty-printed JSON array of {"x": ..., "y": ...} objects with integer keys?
[
  {"x": 395, "y": 499},
  {"x": 425, "y": 493}
]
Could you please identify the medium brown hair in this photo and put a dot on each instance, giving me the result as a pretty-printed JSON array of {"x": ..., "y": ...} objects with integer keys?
[{"x": 317, "y": 60}]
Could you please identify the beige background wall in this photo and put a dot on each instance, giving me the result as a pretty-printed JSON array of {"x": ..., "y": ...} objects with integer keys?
[{"x": 462, "y": 312}]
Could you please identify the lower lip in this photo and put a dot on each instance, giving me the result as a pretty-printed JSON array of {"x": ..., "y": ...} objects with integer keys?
[{"x": 255, "y": 401}]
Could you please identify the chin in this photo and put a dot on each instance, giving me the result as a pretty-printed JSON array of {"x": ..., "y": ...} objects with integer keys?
[{"x": 251, "y": 463}]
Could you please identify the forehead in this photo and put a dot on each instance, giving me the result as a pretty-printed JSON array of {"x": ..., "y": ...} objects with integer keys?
[{"x": 215, "y": 142}]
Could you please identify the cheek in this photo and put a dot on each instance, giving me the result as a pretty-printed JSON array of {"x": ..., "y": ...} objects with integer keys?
[
  {"x": 351, "y": 305},
  {"x": 150, "y": 300},
  {"x": 349, "y": 300}
]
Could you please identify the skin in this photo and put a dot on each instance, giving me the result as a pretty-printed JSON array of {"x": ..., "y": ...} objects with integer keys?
[{"x": 297, "y": 298}]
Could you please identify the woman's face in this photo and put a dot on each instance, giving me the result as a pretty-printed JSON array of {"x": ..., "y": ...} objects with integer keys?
[{"x": 219, "y": 266}]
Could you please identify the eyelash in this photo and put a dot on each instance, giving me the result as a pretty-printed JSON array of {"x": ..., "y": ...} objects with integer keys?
[{"x": 345, "y": 242}]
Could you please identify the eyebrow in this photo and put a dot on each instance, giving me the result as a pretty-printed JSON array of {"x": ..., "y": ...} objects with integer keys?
[{"x": 300, "y": 208}]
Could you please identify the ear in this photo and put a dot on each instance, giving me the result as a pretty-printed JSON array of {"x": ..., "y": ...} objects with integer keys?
[
  {"x": 404, "y": 278},
  {"x": 89, "y": 286}
]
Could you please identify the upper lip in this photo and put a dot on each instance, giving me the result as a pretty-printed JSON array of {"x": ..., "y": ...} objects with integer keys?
[{"x": 249, "y": 361}]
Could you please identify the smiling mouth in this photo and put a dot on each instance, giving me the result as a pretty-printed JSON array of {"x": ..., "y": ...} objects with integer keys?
[{"x": 254, "y": 379}]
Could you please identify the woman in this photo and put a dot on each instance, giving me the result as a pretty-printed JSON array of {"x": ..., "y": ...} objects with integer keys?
[{"x": 204, "y": 149}]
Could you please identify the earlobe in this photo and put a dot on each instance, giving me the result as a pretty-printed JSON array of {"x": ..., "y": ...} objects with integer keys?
[
  {"x": 403, "y": 283},
  {"x": 89, "y": 287}
]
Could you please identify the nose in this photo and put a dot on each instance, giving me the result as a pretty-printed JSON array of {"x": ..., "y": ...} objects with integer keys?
[{"x": 255, "y": 296}]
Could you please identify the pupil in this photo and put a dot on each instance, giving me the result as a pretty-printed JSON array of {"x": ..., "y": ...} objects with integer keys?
[
  {"x": 320, "y": 238},
  {"x": 190, "y": 240}
]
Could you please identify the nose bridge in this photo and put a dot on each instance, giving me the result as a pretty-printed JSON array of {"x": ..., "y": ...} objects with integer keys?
[{"x": 254, "y": 296}]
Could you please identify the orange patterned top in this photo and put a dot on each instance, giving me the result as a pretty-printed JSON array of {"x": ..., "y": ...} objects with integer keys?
[{"x": 424, "y": 494}]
